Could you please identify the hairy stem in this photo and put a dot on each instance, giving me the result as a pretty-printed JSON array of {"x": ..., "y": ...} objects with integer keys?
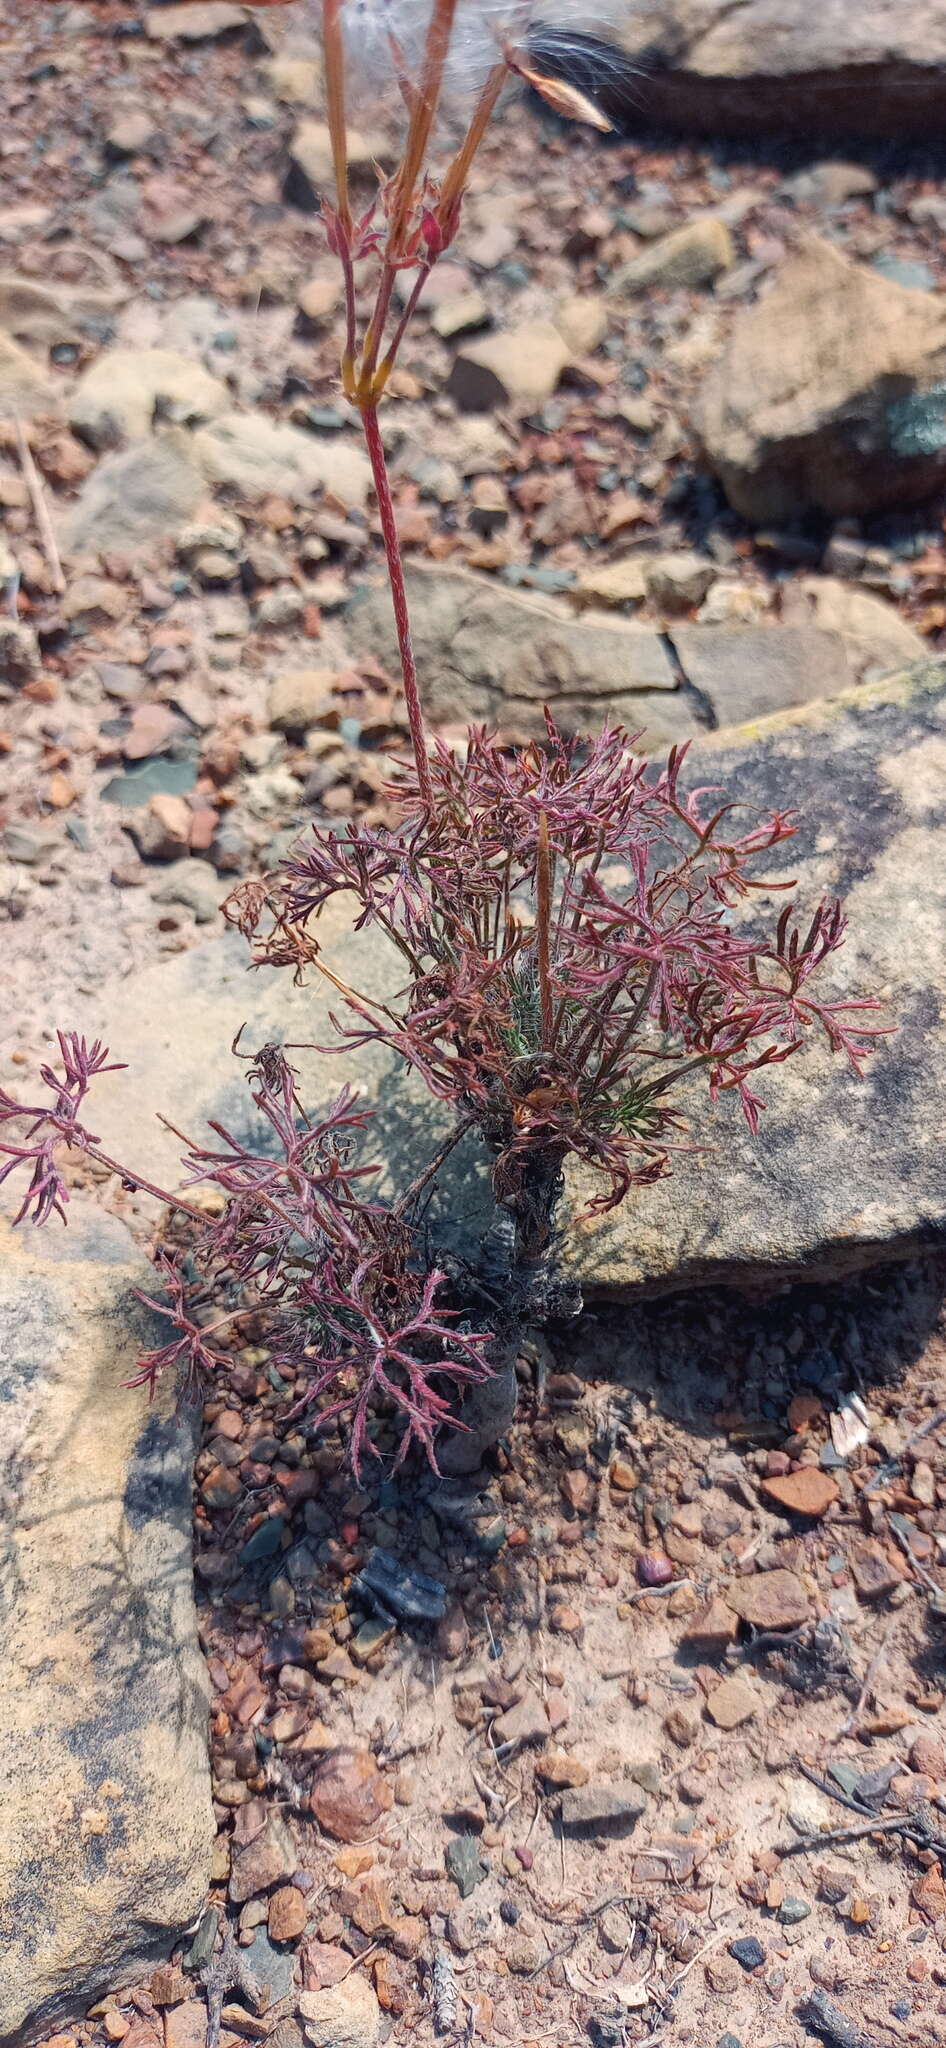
[
  {"x": 543, "y": 910},
  {"x": 402, "y": 621}
]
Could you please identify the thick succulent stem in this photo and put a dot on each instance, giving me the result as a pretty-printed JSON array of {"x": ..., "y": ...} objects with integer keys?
[
  {"x": 531, "y": 1290},
  {"x": 486, "y": 1413}
]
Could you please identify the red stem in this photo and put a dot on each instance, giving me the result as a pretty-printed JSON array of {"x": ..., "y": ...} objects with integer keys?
[
  {"x": 402, "y": 621},
  {"x": 543, "y": 874}
]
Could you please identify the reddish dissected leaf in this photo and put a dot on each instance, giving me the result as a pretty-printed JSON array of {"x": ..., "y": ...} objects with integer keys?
[
  {"x": 562, "y": 1019},
  {"x": 564, "y": 919}
]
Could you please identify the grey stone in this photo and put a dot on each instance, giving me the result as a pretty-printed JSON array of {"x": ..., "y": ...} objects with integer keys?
[
  {"x": 465, "y": 1864},
  {"x": 280, "y": 609},
  {"x": 600, "y": 1811},
  {"x": 680, "y": 581},
  {"x": 311, "y": 176},
  {"x": 126, "y": 390},
  {"x": 525, "y": 1723},
  {"x": 520, "y": 367},
  {"x": 748, "y": 1951},
  {"x": 195, "y": 885},
  {"x": 397, "y": 1589},
  {"x": 294, "y": 78},
  {"x": 712, "y": 68},
  {"x": 302, "y": 697},
  {"x": 193, "y": 21},
  {"x": 877, "y": 638},
  {"x": 107, "y": 1822},
  {"x": 159, "y": 776},
  {"x": 270, "y": 1858},
  {"x": 830, "y": 394},
  {"x": 692, "y": 255},
  {"x": 30, "y": 843},
  {"x": 749, "y": 671},
  {"x": 133, "y": 497},
  {"x": 270, "y": 1966},
  {"x": 129, "y": 134},
  {"x": 842, "y": 1173},
  {"x": 462, "y": 314},
  {"x": 833, "y": 182},
  {"x": 792, "y": 1912},
  {"x": 347, "y": 2016},
  {"x": 19, "y": 652},
  {"x": 917, "y": 277},
  {"x": 485, "y": 652},
  {"x": 260, "y": 457}
]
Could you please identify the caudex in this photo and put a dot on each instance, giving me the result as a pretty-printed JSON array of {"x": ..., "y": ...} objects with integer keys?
[{"x": 561, "y": 919}]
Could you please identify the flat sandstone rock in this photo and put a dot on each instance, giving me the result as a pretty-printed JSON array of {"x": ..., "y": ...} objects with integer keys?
[
  {"x": 489, "y": 652},
  {"x": 107, "y": 1825},
  {"x": 843, "y": 1172}
]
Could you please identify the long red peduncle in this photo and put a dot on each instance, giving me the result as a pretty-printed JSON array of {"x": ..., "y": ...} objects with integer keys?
[{"x": 392, "y": 549}]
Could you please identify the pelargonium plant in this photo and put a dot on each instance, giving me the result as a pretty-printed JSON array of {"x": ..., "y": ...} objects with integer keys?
[{"x": 562, "y": 916}]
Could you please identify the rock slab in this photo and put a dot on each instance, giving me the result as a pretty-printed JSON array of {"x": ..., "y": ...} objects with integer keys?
[
  {"x": 104, "y": 1780},
  {"x": 708, "y": 67},
  {"x": 843, "y": 1172},
  {"x": 500, "y": 655}
]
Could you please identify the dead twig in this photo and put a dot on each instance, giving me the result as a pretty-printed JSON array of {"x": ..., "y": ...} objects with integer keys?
[
  {"x": 44, "y": 524},
  {"x": 656, "y": 1592},
  {"x": 834, "y": 1792},
  {"x": 882, "y": 1824},
  {"x": 229, "y": 1972},
  {"x": 916, "y": 1826},
  {"x": 909, "y": 1553},
  {"x": 714, "y": 1942},
  {"x": 853, "y": 1721},
  {"x": 925, "y": 1429}
]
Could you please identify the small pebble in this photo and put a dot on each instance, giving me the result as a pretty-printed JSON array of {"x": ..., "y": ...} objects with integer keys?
[
  {"x": 654, "y": 1569},
  {"x": 747, "y": 1951},
  {"x": 791, "y": 1911}
]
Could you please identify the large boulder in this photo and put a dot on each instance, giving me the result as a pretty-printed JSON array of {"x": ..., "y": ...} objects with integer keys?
[
  {"x": 107, "y": 1826},
  {"x": 878, "y": 68},
  {"x": 830, "y": 395},
  {"x": 843, "y": 1173}
]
